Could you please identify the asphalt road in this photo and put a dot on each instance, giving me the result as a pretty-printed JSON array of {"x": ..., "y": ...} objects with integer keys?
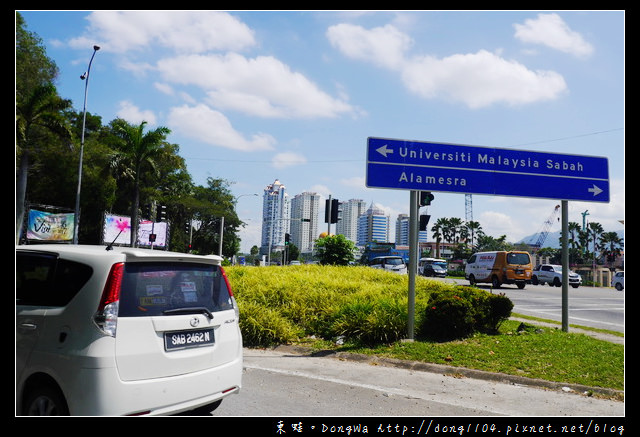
[
  {"x": 595, "y": 307},
  {"x": 285, "y": 383}
]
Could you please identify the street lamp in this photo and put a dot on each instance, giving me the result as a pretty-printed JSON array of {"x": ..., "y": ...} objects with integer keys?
[{"x": 76, "y": 216}]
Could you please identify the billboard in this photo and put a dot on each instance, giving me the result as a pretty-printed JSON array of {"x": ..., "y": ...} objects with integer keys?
[
  {"x": 117, "y": 230},
  {"x": 47, "y": 226}
]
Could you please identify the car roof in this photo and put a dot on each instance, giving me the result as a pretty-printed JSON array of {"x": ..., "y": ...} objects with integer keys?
[{"x": 121, "y": 252}]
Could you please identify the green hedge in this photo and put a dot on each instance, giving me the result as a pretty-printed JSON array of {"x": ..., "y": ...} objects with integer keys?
[{"x": 281, "y": 304}]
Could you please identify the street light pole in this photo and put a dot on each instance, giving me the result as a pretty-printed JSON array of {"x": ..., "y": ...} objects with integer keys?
[{"x": 76, "y": 216}]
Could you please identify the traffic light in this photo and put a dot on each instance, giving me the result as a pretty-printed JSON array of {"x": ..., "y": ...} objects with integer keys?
[
  {"x": 161, "y": 213},
  {"x": 331, "y": 211},
  {"x": 425, "y": 198},
  {"x": 286, "y": 239},
  {"x": 424, "y": 221}
]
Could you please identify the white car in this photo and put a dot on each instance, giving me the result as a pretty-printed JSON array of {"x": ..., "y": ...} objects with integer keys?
[
  {"x": 123, "y": 332},
  {"x": 618, "y": 281},
  {"x": 394, "y": 264},
  {"x": 552, "y": 275}
]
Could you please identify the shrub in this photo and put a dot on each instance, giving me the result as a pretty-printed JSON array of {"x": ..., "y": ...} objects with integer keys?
[
  {"x": 457, "y": 313},
  {"x": 263, "y": 326},
  {"x": 446, "y": 316},
  {"x": 370, "y": 322}
]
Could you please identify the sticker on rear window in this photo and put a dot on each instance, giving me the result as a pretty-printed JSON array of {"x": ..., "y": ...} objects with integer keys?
[
  {"x": 154, "y": 290},
  {"x": 153, "y": 300}
]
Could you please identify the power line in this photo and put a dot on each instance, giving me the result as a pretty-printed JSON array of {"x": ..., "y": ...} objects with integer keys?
[{"x": 262, "y": 161}]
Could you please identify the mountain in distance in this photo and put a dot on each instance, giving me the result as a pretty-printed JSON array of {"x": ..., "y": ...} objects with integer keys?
[{"x": 553, "y": 239}]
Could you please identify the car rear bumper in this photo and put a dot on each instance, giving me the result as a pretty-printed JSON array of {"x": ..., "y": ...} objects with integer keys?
[{"x": 100, "y": 392}]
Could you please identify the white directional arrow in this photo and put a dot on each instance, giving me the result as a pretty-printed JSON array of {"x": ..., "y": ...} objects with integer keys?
[
  {"x": 384, "y": 150},
  {"x": 595, "y": 190}
]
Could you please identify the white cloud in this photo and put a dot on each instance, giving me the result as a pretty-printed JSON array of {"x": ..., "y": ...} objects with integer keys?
[
  {"x": 384, "y": 46},
  {"x": 354, "y": 181},
  {"x": 480, "y": 79},
  {"x": 211, "y": 127},
  {"x": 261, "y": 86},
  {"x": 287, "y": 159},
  {"x": 131, "y": 113},
  {"x": 476, "y": 79},
  {"x": 551, "y": 31},
  {"x": 181, "y": 31}
]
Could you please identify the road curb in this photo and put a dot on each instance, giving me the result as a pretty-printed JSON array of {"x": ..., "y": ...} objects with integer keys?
[{"x": 455, "y": 372}]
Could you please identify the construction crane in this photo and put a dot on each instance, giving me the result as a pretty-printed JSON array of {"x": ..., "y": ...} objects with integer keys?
[{"x": 546, "y": 227}]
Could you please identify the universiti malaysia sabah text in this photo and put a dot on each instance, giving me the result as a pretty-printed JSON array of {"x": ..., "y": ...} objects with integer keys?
[{"x": 498, "y": 162}]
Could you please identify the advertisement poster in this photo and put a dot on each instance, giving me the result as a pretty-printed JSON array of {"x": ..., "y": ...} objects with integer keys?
[
  {"x": 46, "y": 226},
  {"x": 152, "y": 233},
  {"x": 117, "y": 229}
]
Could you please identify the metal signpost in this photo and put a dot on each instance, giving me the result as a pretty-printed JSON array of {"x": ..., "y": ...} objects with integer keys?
[{"x": 429, "y": 166}]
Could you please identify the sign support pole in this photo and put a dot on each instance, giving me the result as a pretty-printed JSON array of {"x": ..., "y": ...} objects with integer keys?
[
  {"x": 413, "y": 260},
  {"x": 565, "y": 266}
]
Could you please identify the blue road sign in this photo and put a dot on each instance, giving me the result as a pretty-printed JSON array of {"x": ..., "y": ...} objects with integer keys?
[{"x": 426, "y": 166}]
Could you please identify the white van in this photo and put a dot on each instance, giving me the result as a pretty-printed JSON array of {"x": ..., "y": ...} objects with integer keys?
[
  {"x": 499, "y": 268},
  {"x": 392, "y": 263}
]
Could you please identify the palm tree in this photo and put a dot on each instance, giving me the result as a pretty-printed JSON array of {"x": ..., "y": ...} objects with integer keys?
[
  {"x": 437, "y": 230},
  {"x": 137, "y": 149},
  {"x": 41, "y": 113},
  {"x": 594, "y": 231},
  {"x": 611, "y": 246},
  {"x": 474, "y": 228}
]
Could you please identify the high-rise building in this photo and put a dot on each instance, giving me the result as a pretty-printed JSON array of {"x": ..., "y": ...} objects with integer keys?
[
  {"x": 373, "y": 225},
  {"x": 402, "y": 231},
  {"x": 348, "y": 221},
  {"x": 275, "y": 217},
  {"x": 304, "y": 220}
]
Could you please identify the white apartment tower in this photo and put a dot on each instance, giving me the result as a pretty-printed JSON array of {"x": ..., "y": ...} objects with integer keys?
[
  {"x": 304, "y": 220},
  {"x": 349, "y": 213},
  {"x": 275, "y": 217}
]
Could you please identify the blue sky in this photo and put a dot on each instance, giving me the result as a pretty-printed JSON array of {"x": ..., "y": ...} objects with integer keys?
[{"x": 255, "y": 96}]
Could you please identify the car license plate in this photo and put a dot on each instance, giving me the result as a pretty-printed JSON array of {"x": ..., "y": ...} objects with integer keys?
[{"x": 188, "y": 339}]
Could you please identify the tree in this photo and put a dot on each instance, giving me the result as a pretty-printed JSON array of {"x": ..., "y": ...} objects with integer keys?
[
  {"x": 38, "y": 115},
  {"x": 474, "y": 228},
  {"x": 137, "y": 151},
  {"x": 611, "y": 246},
  {"x": 215, "y": 207},
  {"x": 437, "y": 230},
  {"x": 335, "y": 250}
]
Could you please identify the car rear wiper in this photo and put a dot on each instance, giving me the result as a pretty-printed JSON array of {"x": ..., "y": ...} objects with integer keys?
[{"x": 190, "y": 310}]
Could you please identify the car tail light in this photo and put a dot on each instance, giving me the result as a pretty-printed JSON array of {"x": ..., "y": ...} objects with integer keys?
[
  {"x": 106, "y": 316},
  {"x": 233, "y": 299}
]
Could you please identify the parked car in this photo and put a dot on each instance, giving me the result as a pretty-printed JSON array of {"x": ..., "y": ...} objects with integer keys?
[
  {"x": 552, "y": 275},
  {"x": 123, "y": 332},
  {"x": 618, "y": 281},
  {"x": 432, "y": 267},
  {"x": 392, "y": 263}
]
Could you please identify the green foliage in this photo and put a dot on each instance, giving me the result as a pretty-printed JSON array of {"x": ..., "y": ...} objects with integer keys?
[
  {"x": 360, "y": 304},
  {"x": 370, "y": 322},
  {"x": 461, "y": 311},
  {"x": 335, "y": 250}
]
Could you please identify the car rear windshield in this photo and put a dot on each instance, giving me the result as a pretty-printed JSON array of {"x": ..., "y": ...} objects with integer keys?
[
  {"x": 149, "y": 289},
  {"x": 518, "y": 258}
]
